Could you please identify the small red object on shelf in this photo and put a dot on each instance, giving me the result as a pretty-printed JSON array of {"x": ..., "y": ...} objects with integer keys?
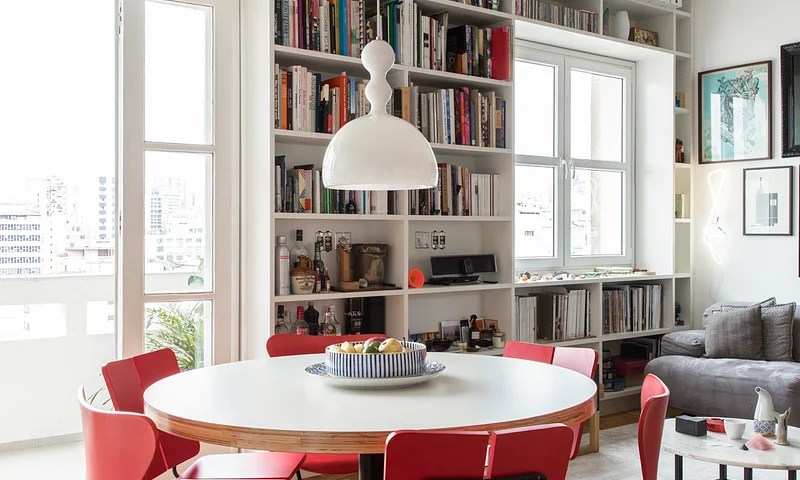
[
  {"x": 715, "y": 425},
  {"x": 629, "y": 366}
]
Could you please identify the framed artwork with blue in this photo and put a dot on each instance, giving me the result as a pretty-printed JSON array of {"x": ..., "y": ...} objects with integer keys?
[{"x": 735, "y": 113}]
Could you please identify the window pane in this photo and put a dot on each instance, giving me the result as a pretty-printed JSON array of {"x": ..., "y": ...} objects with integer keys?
[
  {"x": 183, "y": 327},
  {"x": 597, "y": 212},
  {"x": 535, "y": 109},
  {"x": 177, "y": 222},
  {"x": 596, "y": 116},
  {"x": 535, "y": 211},
  {"x": 178, "y": 60}
]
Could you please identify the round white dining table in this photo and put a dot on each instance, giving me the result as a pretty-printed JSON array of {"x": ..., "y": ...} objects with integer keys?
[{"x": 273, "y": 404}]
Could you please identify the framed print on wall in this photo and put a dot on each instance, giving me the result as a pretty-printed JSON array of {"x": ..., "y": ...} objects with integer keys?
[
  {"x": 768, "y": 201},
  {"x": 735, "y": 113}
]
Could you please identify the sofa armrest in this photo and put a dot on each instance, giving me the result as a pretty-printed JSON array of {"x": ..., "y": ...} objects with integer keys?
[{"x": 689, "y": 343}]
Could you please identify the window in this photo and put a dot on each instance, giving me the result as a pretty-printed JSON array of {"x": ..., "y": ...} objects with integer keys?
[{"x": 574, "y": 156}]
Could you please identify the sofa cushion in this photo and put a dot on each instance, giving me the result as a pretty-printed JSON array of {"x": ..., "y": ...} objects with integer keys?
[
  {"x": 691, "y": 343},
  {"x": 735, "y": 333},
  {"x": 776, "y": 330},
  {"x": 718, "y": 307},
  {"x": 724, "y": 387}
]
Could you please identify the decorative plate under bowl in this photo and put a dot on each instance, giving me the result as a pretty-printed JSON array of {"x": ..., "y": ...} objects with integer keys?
[{"x": 432, "y": 370}]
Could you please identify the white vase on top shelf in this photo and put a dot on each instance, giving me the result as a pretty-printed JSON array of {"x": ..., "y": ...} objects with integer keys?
[{"x": 622, "y": 25}]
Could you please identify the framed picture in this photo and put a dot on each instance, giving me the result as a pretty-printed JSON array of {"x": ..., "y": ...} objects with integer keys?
[
  {"x": 451, "y": 329},
  {"x": 768, "y": 201},
  {"x": 492, "y": 324},
  {"x": 735, "y": 113}
]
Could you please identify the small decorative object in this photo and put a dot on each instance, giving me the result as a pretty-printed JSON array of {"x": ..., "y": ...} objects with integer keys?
[
  {"x": 735, "y": 113},
  {"x": 783, "y": 429},
  {"x": 438, "y": 344},
  {"x": 790, "y": 103},
  {"x": 416, "y": 279},
  {"x": 759, "y": 443},
  {"x": 605, "y": 21},
  {"x": 450, "y": 329},
  {"x": 640, "y": 35},
  {"x": 734, "y": 428},
  {"x": 344, "y": 249},
  {"x": 768, "y": 201},
  {"x": 715, "y": 425},
  {"x": 371, "y": 261},
  {"x": 680, "y": 99},
  {"x": 492, "y": 324},
  {"x": 303, "y": 277},
  {"x": 622, "y": 25},
  {"x": 679, "y": 153},
  {"x": 363, "y": 283},
  {"x": 547, "y": 276},
  {"x": 460, "y": 345},
  {"x": 688, "y": 425},
  {"x": 764, "y": 418},
  {"x": 680, "y": 205},
  {"x": 498, "y": 339}
]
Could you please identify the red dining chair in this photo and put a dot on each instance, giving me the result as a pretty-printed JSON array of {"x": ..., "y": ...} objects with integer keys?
[
  {"x": 655, "y": 400},
  {"x": 416, "y": 455},
  {"x": 583, "y": 361},
  {"x": 543, "y": 450},
  {"x": 127, "y": 380},
  {"x": 124, "y": 446},
  {"x": 529, "y": 351},
  {"x": 286, "y": 345}
]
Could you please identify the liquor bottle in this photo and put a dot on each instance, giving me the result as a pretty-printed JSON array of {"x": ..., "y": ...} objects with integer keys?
[
  {"x": 301, "y": 327},
  {"x": 330, "y": 325},
  {"x": 319, "y": 268},
  {"x": 282, "y": 280},
  {"x": 281, "y": 326},
  {"x": 474, "y": 333},
  {"x": 299, "y": 248},
  {"x": 311, "y": 317}
]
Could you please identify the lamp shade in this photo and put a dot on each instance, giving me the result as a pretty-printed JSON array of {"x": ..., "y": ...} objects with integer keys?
[{"x": 379, "y": 151}]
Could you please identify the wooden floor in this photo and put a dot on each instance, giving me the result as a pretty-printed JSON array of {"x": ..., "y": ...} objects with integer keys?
[{"x": 606, "y": 421}]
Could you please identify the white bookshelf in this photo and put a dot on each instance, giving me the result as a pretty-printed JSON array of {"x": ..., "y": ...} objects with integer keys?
[{"x": 661, "y": 71}]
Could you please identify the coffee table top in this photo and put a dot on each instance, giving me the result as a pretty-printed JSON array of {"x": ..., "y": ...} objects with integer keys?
[{"x": 718, "y": 448}]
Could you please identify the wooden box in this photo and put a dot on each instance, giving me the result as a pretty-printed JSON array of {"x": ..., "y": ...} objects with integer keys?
[{"x": 640, "y": 35}]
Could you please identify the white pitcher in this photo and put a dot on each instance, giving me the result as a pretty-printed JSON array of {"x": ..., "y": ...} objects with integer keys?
[{"x": 763, "y": 418}]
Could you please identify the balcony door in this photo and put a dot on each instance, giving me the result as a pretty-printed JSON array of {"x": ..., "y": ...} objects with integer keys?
[{"x": 180, "y": 182}]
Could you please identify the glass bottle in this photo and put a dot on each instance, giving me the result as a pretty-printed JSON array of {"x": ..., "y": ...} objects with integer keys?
[
  {"x": 301, "y": 327},
  {"x": 474, "y": 333},
  {"x": 281, "y": 327},
  {"x": 282, "y": 271},
  {"x": 299, "y": 248},
  {"x": 319, "y": 268},
  {"x": 311, "y": 317},
  {"x": 329, "y": 325}
]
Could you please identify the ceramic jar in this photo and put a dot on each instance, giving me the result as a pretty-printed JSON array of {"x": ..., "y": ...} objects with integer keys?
[{"x": 303, "y": 277}]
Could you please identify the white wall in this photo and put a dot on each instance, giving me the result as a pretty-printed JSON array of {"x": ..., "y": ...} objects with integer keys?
[{"x": 727, "y": 33}]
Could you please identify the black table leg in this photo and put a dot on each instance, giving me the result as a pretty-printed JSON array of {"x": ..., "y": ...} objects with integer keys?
[
  {"x": 723, "y": 472},
  {"x": 748, "y": 473},
  {"x": 370, "y": 466},
  {"x": 678, "y": 467},
  {"x": 792, "y": 474}
]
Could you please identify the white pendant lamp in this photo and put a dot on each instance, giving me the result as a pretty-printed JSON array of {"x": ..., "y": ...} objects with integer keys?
[{"x": 379, "y": 151}]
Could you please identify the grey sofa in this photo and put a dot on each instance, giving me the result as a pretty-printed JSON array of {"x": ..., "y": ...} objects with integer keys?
[{"x": 724, "y": 387}]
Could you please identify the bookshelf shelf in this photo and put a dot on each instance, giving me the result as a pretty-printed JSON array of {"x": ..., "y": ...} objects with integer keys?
[
  {"x": 571, "y": 343},
  {"x": 324, "y": 297},
  {"x": 640, "y": 333},
  {"x": 461, "y": 13},
  {"x": 446, "y": 218},
  {"x": 319, "y": 61},
  {"x": 628, "y": 392},
  {"x": 338, "y": 217},
  {"x": 419, "y": 75},
  {"x": 683, "y": 54},
  {"x": 438, "y": 290},
  {"x": 638, "y": 9},
  {"x": 683, "y": 166},
  {"x": 682, "y": 111},
  {"x": 683, "y": 220}
]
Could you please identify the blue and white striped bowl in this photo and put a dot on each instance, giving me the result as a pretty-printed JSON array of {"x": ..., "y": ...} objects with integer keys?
[{"x": 378, "y": 365}]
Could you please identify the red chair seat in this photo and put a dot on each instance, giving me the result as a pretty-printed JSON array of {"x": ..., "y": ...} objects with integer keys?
[
  {"x": 330, "y": 463},
  {"x": 261, "y": 466}
]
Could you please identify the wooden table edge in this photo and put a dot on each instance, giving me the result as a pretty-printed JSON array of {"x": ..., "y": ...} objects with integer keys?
[{"x": 333, "y": 442}]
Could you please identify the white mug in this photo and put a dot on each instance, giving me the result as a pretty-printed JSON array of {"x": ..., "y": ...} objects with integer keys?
[{"x": 734, "y": 428}]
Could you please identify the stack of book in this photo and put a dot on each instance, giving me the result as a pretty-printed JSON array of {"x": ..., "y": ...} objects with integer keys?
[
  {"x": 455, "y": 116},
  {"x": 526, "y": 318},
  {"x": 611, "y": 381},
  {"x": 306, "y": 102},
  {"x": 459, "y": 193},
  {"x": 330, "y": 26},
  {"x": 585, "y": 20},
  {"x": 632, "y": 308},
  {"x": 560, "y": 315},
  {"x": 300, "y": 190}
]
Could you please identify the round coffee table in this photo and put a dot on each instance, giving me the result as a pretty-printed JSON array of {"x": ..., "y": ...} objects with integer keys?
[
  {"x": 718, "y": 448},
  {"x": 273, "y": 404}
]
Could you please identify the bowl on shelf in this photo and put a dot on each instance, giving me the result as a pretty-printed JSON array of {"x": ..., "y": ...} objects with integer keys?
[
  {"x": 438, "y": 344},
  {"x": 410, "y": 362}
]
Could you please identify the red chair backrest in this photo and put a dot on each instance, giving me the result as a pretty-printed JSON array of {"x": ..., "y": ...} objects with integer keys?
[
  {"x": 284, "y": 345},
  {"x": 655, "y": 400},
  {"x": 416, "y": 455},
  {"x": 127, "y": 379},
  {"x": 529, "y": 351},
  {"x": 583, "y": 361},
  {"x": 119, "y": 445},
  {"x": 541, "y": 449}
]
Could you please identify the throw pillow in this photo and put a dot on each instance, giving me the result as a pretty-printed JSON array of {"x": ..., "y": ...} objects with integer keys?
[
  {"x": 776, "y": 331},
  {"x": 735, "y": 333},
  {"x": 717, "y": 307},
  {"x": 688, "y": 343}
]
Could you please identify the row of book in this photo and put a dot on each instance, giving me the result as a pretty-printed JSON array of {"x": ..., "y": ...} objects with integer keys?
[
  {"x": 458, "y": 193},
  {"x": 300, "y": 190},
  {"x": 305, "y": 102},
  {"x": 632, "y": 308},
  {"x": 585, "y": 20},
  {"x": 554, "y": 316},
  {"x": 456, "y": 116},
  {"x": 427, "y": 41}
]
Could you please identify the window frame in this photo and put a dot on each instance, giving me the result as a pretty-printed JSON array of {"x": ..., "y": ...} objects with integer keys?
[{"x": 564, "y": 165}]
